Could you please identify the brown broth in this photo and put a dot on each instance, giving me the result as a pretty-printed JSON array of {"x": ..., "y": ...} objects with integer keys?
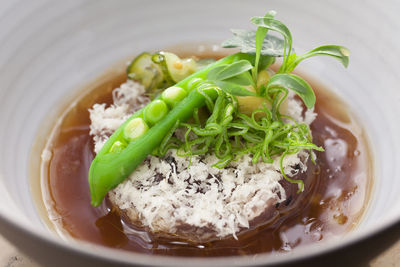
[{"x": 336, "y": 195}]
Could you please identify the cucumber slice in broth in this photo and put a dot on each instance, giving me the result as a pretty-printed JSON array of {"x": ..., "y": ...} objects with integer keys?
[
  {"x": 174, "y": 68},
  {"x": 146, "y": 72}
]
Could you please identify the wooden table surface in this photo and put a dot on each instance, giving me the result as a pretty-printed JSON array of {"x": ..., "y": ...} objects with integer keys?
[{"x": 11, "y": 257}]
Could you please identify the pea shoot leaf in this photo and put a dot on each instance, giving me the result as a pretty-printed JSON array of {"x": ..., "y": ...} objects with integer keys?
[
  {"x": 276, "y": 26},
  {"x": 234, "y": 89},
  {"x": 228, "y": 71},
  {"x": 241, "y": 79},
  {"x": 246, "y": 41},
  {"x": 212, "y": 74},
  {"x": 232, "y": 77},
  {"x": 272, "y": 24},
  {"x": 336, "y": 51},
  {"x": 296, "y": 84},
  {"x": 260, "y": 37}
]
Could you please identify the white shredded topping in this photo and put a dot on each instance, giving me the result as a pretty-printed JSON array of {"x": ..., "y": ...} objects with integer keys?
[
  {"x": 127, "y": 99},
  {"x": 164, "y": 195}
]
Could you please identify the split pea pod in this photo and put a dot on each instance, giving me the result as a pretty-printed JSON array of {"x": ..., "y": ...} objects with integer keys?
[{"x": 143, "y": 132}]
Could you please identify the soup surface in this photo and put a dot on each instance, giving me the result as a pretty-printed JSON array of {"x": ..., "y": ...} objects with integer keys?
[{"x": 335, "y": 196}]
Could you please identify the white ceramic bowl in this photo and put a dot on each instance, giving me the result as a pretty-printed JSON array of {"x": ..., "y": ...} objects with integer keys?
[{"x": 49, "y": 49}]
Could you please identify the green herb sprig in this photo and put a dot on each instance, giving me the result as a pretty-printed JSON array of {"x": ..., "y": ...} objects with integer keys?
[
  {"x": 229, "y": 134},
  {"x": 267, "y": 46}
]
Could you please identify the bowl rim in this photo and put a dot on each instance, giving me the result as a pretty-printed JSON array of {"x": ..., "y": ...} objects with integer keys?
[{"x": 113, "y": 255}]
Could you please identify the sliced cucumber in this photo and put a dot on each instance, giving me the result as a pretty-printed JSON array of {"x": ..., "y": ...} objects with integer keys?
[
  {"x": 145, "y": 71},
  {"x": 160, "y": 59},
  {"x": 163, "y": 69},
  {"x": 174, "y": 68}
]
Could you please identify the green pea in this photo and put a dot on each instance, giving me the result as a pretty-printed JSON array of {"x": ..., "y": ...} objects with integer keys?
[
  {"x": 135, "y": 129},
  {"x": 193, "y": 83},
  {"x": 117, "y": 147},
  {"x": 155, "y": 111},
  {"x": 173, "y": 95}
]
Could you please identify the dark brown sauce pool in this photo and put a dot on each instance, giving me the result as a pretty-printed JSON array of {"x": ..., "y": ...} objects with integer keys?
[{"x": 336, "y": 194}]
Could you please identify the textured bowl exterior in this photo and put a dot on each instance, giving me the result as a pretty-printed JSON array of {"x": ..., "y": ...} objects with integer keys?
[{"x": 50, "y": 49}]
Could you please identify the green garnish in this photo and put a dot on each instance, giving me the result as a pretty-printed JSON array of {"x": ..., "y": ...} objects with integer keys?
[
  {"x": 133, "y": 130},
  {"x": 243, "y": 102},
  {"x": 155, "y": 111}
]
